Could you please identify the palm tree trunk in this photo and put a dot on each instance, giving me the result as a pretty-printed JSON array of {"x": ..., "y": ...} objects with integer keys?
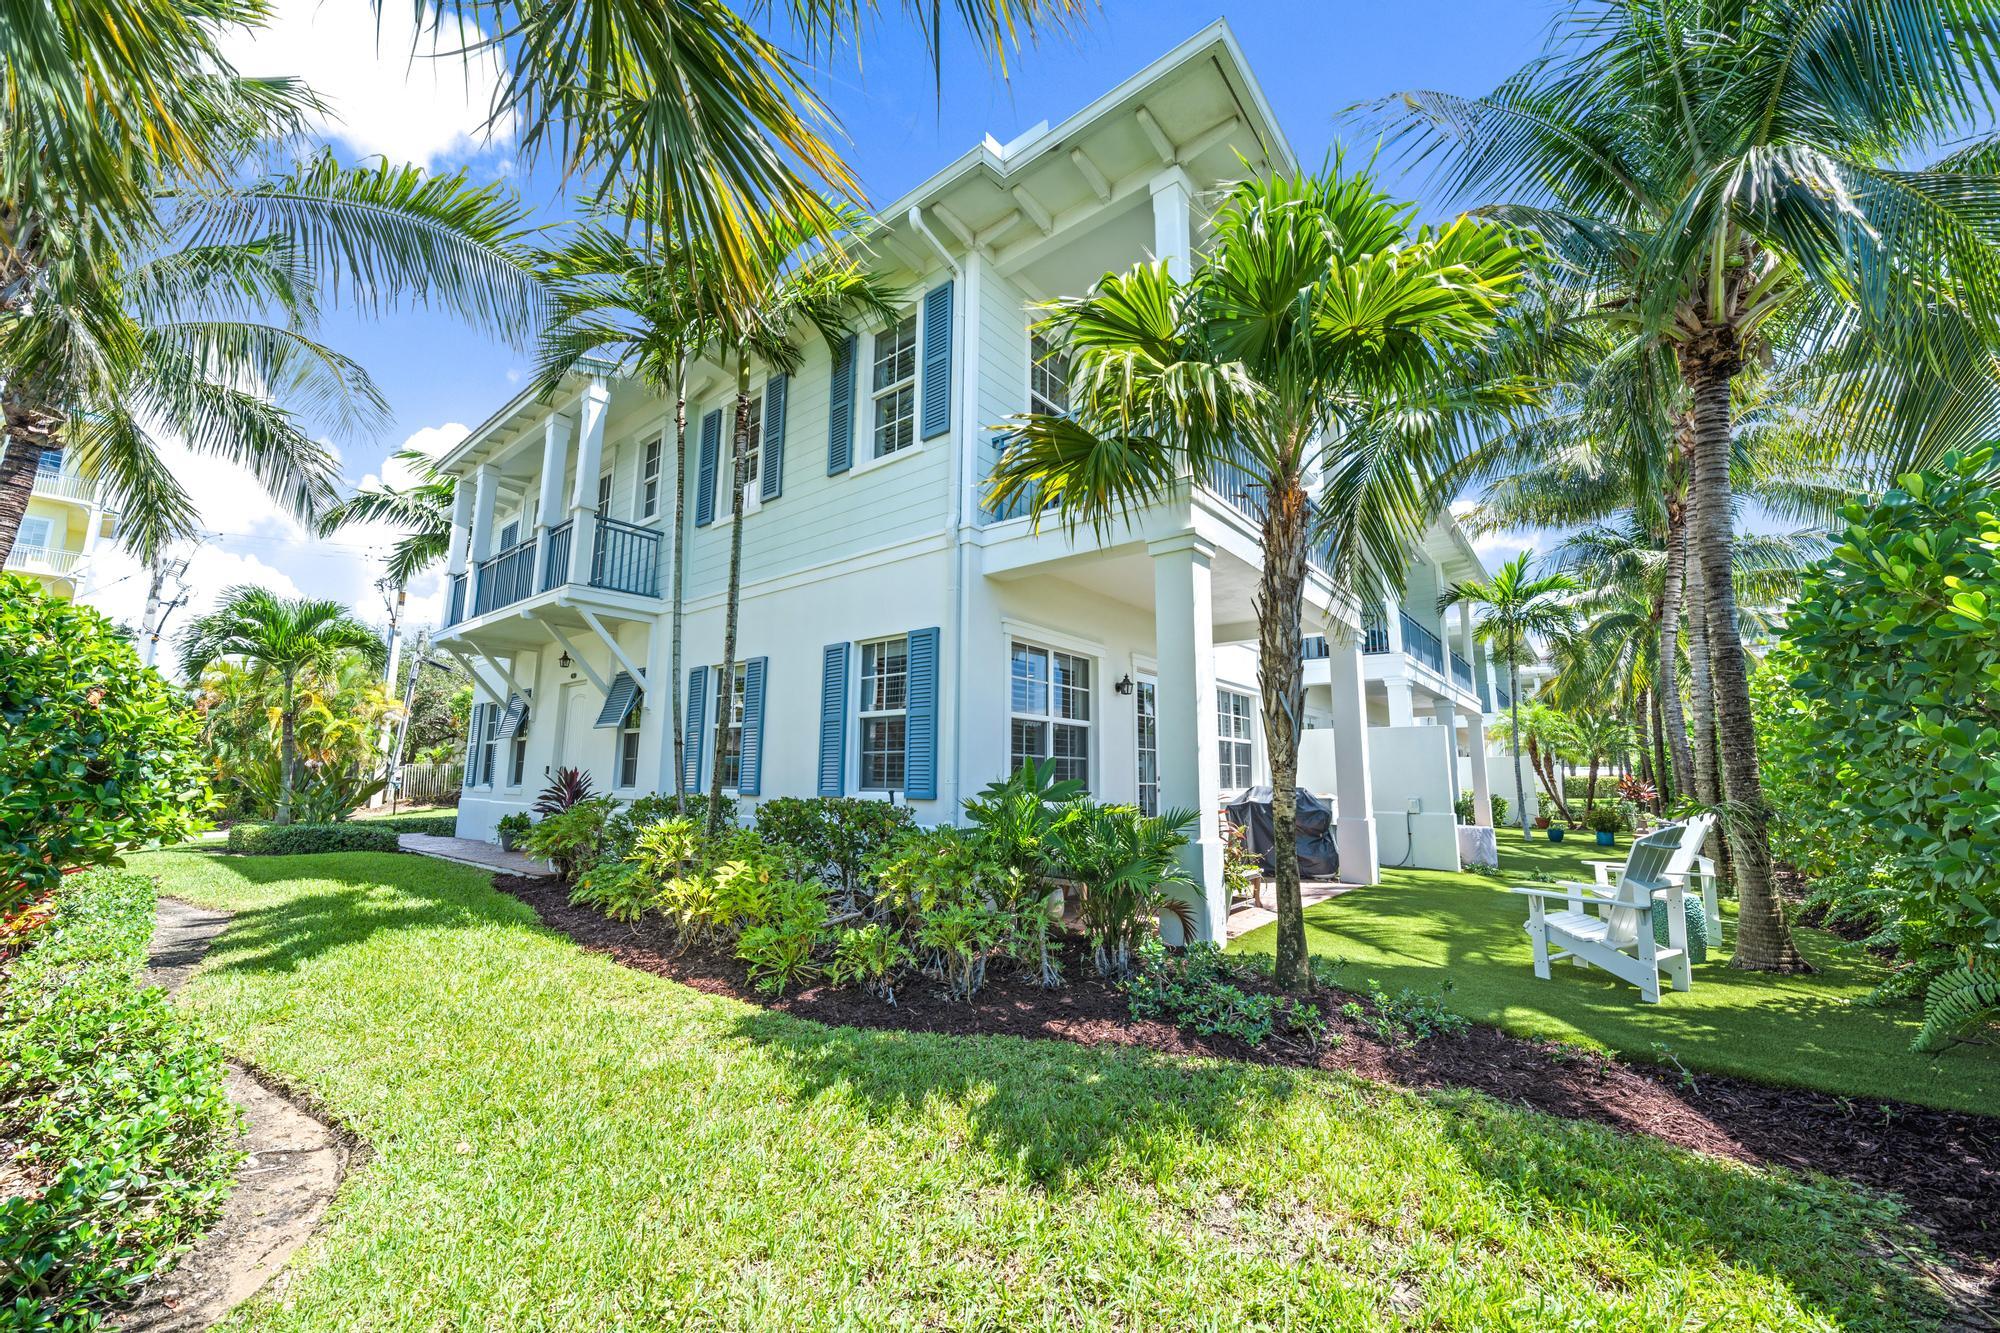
[
  {"x": 1282, "y": 682},
  {"x": 679, "y": 529},
  {"x": 1672, "y": 590},
  {"x": 1514, "y": 721},
  {"x": 288, "y": 748},
  {"x": 17, "y": 484},
  {"x": 1764, "y": 940},
  {"x": 725, "y": 693},
  {"x": 1590, "y": 786},
  {"x": 1637, "y": 715}
]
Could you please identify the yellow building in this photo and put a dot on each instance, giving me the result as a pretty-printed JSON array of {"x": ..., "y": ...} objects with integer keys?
[{"x": 64, "y": 524}]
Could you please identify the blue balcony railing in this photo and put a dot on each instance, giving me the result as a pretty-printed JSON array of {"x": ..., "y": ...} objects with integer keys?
[
  {"x": 1485, "y": 694},
  {"x": 454, "y": 606},
  {"x": 1374, "y": 634},
  {"x": 1314, "y": 649},
  {"x": 506, "y": 578},
  {"x": 1421, "y": 643},
  {"x": 1461, "y": 671},
  {"x": 626, "y": 558},
  {"x": 1503, "y": 697},
  {"x": 558, "y": 570}
]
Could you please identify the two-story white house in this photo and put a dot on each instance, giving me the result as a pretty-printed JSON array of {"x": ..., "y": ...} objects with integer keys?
[{"x": 896, "y": 638}]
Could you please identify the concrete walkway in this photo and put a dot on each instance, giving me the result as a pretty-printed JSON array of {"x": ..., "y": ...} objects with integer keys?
[
  {"x": 473, "y": 852},
  {"x": 1246, "y": 917}
]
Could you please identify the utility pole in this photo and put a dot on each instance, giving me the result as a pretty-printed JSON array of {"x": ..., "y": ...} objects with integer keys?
[
  {"x": 153, "y": 620},
  {"x": 396, "y": 604},
  {"x": 395, "y": 775}
]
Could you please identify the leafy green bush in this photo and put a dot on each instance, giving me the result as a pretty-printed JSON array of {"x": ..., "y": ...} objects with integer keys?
[
  {"x": 1197, "y": 988},
  {"x": 572, "y": 839},
  {"x": 98, "y": 754},
  {"x": 1407, "y": 1017},
  {"x": 437, "y": 826},
  {"x": 618, "y": 889},
  {"x": 303, "y": 839},
  {"x": 961, "y": 938},
  {"x": 778, "y": 950},
  {"x": 1129, "y": 867},
  {"x": 834, "y": 836},
  {"x": 868, "y": 956},
  {"x": 1883, "y": 738},
  {"x": 112, "y": 1107},
  {"x": 1465, "y": 807}
]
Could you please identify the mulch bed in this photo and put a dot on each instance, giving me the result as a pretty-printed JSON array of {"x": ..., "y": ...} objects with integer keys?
[{"x": 1944, "y": 1164}]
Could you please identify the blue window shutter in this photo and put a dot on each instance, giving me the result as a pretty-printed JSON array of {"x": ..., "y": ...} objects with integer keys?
[
  {"x": 840, "y": 411},
  {"x": 618, "y": 701},
  {"x": 704, "y": 477},
  {"x": 472, "y": 744},
  {"x": 697, "y": 702},
  {"x": 515, "y": 718},
  {"x": 937, "y": 361},
  {"x": 750, "y": 772},
  {"x": 833, "y": 722},
  {"x": 920, "y": 728},
  {"x": 773, "y": 447}
]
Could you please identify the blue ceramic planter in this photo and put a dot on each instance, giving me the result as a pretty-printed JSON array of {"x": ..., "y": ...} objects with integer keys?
[{"x": 1555, "y": 835}]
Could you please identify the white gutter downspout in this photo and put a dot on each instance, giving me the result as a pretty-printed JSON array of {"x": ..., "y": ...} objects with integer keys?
[{"x": 966, "y": 275}]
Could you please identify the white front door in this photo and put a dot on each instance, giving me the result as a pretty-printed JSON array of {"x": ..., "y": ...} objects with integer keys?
[
  {"x": 1147, "y": 694},
  {"x": 579, "y": 717}
]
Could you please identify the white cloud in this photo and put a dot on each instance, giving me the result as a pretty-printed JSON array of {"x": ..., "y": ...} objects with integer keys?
[
  {"x": 393, "y": 86},
  {"x": 117, "y": 586}
]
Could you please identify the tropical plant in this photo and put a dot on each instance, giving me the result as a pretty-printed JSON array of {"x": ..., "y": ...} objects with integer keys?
[
  {"x": 288, "y": 637},
  {"x": 572, "y": 839},
  {"x": 869, "y": 956},
  {"x": 1321, "y": 362},
  {"x": 1128, "y": 866},
  {"x": 778, "y": 950},
  {"x": 422, "y": 510},
  {"x": 833, "y": 836},
  {"x": 1783, "y": 209},
  {"x": 97, "y": 753},
  {"x": 567, "y": 787},
  {"x": 1595, "y": 738},
  {"x": 1515, "y": 608}
]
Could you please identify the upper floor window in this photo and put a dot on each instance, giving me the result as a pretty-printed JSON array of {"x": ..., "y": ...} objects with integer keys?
[
  {"x": 1048, "y": 376},
  {"x": 649, "y": 480},
  {"x": 604, "y": 494},
  {"x": 885, "y": 695},
  {"x": 510, "y": 536},
  {"x": 1232, "y": 716},
  {"x": 895, "y": 387},
  {"x": 753, "y": 444},
  {"x": 729, "y": 721},
  {"x": 1050, "y": 711}
]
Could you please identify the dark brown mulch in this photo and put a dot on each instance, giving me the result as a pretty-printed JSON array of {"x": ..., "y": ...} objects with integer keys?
[{"x": 1944, "y": 1164}]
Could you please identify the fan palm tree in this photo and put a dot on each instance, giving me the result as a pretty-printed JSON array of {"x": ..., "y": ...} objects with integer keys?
[
  {"x": 286, "y": 636},
  {"x": 695, "y": 104},
  {"x": 796, "y": 283},
  {"x": 1515, "y": 608},
  {"x": 1717, "y": 170},
  {"x": 1597, "y": 737},
  {"x": 616, "y": 301},
  {"x": 1322, "y": 357}
]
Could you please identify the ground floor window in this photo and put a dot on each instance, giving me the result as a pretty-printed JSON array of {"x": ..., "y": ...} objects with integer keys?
[
  {"x": 1232, "y": 716},
  {"x": 1148, "y": 698},
  {"x": 628, "y": 746},
  {"x": 489, "y": 744},
  {"x": 1050, "y": 711},
  {"x": 729, "y": 726},
  {"x": 518, "y": 765},
  {"x": 885, "y": 697}
]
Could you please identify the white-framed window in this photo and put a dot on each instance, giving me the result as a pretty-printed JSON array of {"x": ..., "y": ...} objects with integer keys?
[
  {"x": 1050, "y": 711},
  {"x": 649, "y": 478},
  {"x": 885, "y": 700},
  {"x": 1146, "y": 691},
  {"x": 753, "y": 449},
  {"x": 628, "y": 746},
  {"x": 894, "y": 386},
  {"x": 604, "y": 494},
  {"x": 1233, "y": 744},
  {"x": 517, "y": 763},
  {"x": 489, "y": 744},
  {"x": 1048, "y": 376},
  {"x": 37, "y": 531},
  {"x": 729, "y": 722}
]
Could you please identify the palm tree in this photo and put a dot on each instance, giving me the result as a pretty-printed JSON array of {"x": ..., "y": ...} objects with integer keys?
[
  {"x": 1323, "y": 358},
  {"x": 617, "y": 301},
  {"x": 286, "y": 636},
  {"x": 794, "y": 283},
  {"x": 696, "y": 105},
  {"x": 1721, "y": 172},
  {"x": 1598, "y": 736},
  {"x": 1517, "y": 607}
]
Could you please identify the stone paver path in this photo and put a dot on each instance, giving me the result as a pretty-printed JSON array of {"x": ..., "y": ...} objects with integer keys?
[{"x": 473, "y": 852}]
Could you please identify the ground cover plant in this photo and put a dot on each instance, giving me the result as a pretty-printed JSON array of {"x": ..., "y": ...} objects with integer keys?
[
  {"x": 119, "y": 1140},
  {"x": 576, "y": 1137}
]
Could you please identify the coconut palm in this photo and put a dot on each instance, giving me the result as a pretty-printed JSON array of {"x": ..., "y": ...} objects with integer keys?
[
  {"x": 694, "y": 103},
  {"x": 286, "y": 636},
  {"x": 1323, "y": 358},
  {"x": 1515, "y": 608},
  {"x": 1714, "y": 171},
  {"x": 795, "y": 284},
  {"x": 616, "y": 301}
]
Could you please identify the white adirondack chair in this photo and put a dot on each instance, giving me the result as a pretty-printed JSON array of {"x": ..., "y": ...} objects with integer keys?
[
  {"x": 1614, "y": 931},
  {"x": 1688, "y": 865}
]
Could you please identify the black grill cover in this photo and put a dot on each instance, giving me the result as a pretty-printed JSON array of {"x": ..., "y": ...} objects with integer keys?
[{"x": 1318, "y": 857}]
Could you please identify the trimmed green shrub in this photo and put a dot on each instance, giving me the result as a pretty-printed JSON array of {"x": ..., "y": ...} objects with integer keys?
[
  {"x": 572, "y": 839},
  {"x": 834, "y": 836},
  {"x": 112, "y": 1107},
  {"x": 98, "y": 754},
  {"x": 438, "y": 826},
  {"x": 778, "y": 950},
  {"x": 305, "y": 839},
  {"x": 1464, "y": 807}
]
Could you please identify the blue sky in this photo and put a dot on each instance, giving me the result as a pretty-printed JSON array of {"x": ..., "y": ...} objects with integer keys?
[{"x": 1313, "y": 60}]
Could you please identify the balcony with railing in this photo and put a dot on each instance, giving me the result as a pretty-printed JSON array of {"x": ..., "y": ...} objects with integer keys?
[
  {"x": 1315, "y": 648},
  {"x": 1374, "y": 633},
  {"x": 454, "y": 602},
  {"x": 43, "y": 560},
  {"x": 60, "y": 483},
  {"x": 557, "y": 573},
  {"x": 1503, "y": 697},
  {"x": 1421, "y": 643},
  {"x": 1461, "y": 671},
  {"x": 505, "y": 579},
  {"x": 625, "y": 558}
]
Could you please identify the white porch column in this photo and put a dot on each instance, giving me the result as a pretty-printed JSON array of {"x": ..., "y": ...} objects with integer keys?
[
  {"x": 1402, "y": 701},
  {"x": 1446, "y": 713},
  {"x": 461, "y": 526},
  {"x": 583, "y": 496},
  {"x": 1184, "y": 634},
  {"x": 485, "y": 491},
  {"x": 1482, "y": 786},
  {"x": 1354, "y": 823},
  {"x": 1173, "y": 221},
  {"x": 548, "y": 507}
]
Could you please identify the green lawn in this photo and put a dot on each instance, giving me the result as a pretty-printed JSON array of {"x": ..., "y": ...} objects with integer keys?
[
  {"x": 1419, "y": 928},
  {"x": 564, "y": 1143}
]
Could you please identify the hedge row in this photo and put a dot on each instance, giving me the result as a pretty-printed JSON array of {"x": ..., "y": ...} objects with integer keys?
[
  {"x": 443, "y": 826},
  {"x": 112, "y": 1102},
  {"x": 300, "y": 839}
]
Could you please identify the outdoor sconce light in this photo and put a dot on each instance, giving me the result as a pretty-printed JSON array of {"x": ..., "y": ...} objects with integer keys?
[
  {"x": 1124, "y": 685},
  {"x": 563, "y": 661}
]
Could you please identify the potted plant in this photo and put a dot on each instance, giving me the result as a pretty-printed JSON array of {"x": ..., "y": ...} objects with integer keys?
[
  {"x": 512, "y": 827},
  {"x": 1604, "y": 821},
  {"x": 1556, "y": 832}
]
